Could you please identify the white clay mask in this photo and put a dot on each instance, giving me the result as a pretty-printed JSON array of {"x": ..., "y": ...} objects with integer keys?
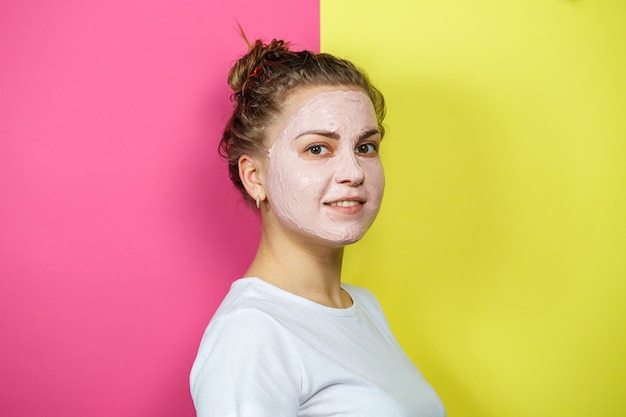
[{"x": 325, "y": 178}]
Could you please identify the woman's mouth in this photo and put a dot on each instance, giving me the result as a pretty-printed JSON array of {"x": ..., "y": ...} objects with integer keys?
[
  {"x": 348, "y": 206},
  {"x": 344, "y": 203}
]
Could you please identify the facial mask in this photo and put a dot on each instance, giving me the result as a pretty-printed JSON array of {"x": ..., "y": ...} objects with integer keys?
[{"x": 324, "y": 177}]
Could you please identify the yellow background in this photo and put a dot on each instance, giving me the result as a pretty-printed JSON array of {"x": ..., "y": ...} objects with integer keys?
[{"x": 499, "y": 251}]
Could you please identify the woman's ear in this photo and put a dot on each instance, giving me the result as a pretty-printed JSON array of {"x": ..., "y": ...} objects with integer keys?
[{"x": 251, "y": 175}]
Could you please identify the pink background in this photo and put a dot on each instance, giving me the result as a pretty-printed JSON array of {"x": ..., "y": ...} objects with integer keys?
[{"x": 119, "y": 229}]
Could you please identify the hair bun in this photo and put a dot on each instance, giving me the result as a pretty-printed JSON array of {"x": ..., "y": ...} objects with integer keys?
[{"x": 249, "y": 64}]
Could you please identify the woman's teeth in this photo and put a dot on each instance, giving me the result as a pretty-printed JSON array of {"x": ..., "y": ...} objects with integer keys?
[{"x": 344, "y": 203}]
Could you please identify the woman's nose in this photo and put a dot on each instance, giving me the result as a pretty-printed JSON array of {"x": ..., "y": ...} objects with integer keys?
[{"x": 347, "y": 170}]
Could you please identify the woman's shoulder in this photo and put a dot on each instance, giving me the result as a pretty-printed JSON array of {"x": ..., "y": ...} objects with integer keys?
[
  {"x": 254, "y": 303},
  {"x": 367, "y": 303},
  {"x": 244, "y": 318},
  {"x": 362, "y": 296},
  {"x": 356, "y": 291},
  {"x": 247, "y": 300}
]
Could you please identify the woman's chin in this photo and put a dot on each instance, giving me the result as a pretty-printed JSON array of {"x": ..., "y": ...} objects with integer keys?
[
  {"x": 326, "y": 232},
  {"x": 339, "y": 240}
]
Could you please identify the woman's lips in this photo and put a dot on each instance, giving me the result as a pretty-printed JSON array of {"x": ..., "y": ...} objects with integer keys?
[{"x": 348, "y": 206}]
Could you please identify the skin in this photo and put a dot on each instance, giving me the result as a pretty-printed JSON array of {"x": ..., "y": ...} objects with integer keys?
[{"x": 321, "y": 185}]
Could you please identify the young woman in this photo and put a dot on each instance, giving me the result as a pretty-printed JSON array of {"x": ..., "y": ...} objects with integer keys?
[{"x": 290, "y": 339}]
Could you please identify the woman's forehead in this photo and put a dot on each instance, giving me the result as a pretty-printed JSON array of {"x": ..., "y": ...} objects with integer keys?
[{"x": 329, "y": 109}]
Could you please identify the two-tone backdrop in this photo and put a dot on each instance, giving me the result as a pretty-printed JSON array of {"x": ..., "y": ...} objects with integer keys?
[{"x": 498, "y": 254}]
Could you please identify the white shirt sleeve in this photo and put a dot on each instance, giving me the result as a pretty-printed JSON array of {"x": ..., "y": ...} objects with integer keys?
[{"x": 246, "y": 367}]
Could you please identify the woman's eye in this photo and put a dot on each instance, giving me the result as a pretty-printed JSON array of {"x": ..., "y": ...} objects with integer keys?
[
  {"x": 317, "y": 149},
  {"x": 366, "y": 148}
]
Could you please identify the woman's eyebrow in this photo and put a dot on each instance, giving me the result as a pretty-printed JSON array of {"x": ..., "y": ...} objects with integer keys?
[
  {"x": 326, "y": 133},
  {"x": 368, "y": 133},
  {"x": 334, "y": 135}
]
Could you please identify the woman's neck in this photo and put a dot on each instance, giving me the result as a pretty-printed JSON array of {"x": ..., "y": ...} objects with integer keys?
[{"x": 309, "y": 270}]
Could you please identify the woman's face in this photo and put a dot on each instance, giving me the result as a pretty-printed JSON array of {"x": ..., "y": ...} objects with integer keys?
[{"x": 324, "y": 176}]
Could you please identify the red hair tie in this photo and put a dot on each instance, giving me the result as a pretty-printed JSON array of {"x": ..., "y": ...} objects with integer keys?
[{"x": 255, "y": 71}]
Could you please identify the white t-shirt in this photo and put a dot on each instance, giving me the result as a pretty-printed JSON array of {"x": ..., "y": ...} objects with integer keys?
[{"x": 270, "y": 353}]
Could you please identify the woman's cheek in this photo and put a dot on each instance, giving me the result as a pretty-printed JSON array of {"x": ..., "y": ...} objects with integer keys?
[{"x": 374, "y": 175}]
